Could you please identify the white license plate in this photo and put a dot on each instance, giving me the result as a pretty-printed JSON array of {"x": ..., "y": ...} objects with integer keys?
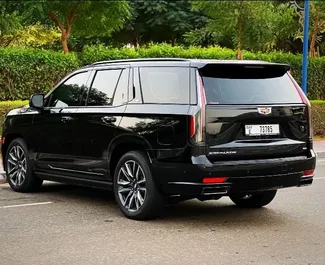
[{"x": 262, "y": 129}]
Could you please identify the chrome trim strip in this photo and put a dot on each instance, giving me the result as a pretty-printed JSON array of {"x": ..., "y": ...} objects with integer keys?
[{"x": 76, "y": 171}]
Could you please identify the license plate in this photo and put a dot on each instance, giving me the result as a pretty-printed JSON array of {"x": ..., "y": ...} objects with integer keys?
[{"x": 263, "y": 129}]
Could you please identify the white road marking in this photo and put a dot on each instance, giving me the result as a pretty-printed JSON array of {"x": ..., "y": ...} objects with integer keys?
[
  {"x": 24, "y": 205},
  {"x": 320, "y": 178}
]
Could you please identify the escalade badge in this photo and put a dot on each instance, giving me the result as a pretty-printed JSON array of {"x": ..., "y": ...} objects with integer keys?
[{"x": 264, "y": 111}]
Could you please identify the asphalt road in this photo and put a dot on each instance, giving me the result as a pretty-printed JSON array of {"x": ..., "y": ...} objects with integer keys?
[{"x": 73, "y": 225}]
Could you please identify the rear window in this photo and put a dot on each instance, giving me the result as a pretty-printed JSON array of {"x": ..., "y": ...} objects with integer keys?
[
  {"x": 166, "y": 85},
  {"x": 248, "y": 85}
]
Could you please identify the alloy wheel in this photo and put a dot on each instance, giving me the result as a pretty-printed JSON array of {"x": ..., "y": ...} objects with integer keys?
[
  {"x": 131, "y": 186},
  {"x": 16, "y": 165}
]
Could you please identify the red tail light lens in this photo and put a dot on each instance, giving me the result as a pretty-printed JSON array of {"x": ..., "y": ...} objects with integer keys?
[
  {"x": 192, "y": 126},
  {"x": 3, "y": 139},
  {"x": 211, "y": 180},
  {"x": 309, "y": 173}
]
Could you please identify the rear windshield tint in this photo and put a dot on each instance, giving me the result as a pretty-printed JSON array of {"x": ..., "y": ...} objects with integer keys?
[
  {"x": 166, "y": 85},
  {"x": 247, "y": 85}
]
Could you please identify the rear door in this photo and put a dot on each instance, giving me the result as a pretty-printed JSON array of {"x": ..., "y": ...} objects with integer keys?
[
  {"x": 253, "y": 112},
  {"x": 98, "y": 121}
]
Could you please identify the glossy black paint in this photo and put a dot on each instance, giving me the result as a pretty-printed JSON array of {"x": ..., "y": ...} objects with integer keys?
[
  {"x": 82, "y": 144},
  {"x": 225, "y": 131}
]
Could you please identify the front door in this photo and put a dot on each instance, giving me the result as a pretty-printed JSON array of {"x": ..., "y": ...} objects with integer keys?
[{"x": 54, "y": 143}]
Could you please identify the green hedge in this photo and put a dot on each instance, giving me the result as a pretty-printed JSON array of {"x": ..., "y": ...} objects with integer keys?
[
  {"x": 6, "y": 106},
  {"x": 318, "y": 117},
  {"x": 24, "y": 71},
  {"x": 316, "y": 74},
  {"x": 318, "y": 114}
]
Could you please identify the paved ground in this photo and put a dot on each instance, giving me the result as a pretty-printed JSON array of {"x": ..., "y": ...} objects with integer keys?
[{"x": 73, "y": 225}]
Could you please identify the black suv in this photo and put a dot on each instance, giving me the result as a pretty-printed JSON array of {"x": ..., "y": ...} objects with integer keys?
[{"x": 159, "y": 131}]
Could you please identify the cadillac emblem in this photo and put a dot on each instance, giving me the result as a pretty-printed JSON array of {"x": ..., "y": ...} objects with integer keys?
[{"x": 264, "y": 111}]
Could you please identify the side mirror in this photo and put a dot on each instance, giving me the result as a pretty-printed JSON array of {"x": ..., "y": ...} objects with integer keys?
[{"x": 37, "y": 101}]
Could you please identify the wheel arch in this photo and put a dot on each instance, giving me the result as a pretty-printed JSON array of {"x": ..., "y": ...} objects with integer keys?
[
  {"x": 124, "y": 144},
  {"x": 4, "y": 147}
]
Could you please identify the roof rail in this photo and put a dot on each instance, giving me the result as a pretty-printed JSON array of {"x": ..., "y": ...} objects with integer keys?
[{"x": 140, "y": 60}]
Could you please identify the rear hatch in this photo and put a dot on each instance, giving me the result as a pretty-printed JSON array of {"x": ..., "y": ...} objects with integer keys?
[{"x": 253, "y": 112}]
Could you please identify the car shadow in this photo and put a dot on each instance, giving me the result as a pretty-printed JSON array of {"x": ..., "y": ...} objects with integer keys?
[{"x": 191, "y": 213}]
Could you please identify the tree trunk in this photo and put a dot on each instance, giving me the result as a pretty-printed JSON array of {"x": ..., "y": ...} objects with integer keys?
[
  {"x": 239, "y": 54},
  {"x": 65, "y": 30},
  {"x": 64, "y": 42},
  {"x": 312, "y": 47},
  {"x": 173, "y": 41}
]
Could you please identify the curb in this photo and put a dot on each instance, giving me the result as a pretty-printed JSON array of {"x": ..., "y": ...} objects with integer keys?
[
  {"x": 2, "y": 177},
  {"x": 320, "y": 154}
]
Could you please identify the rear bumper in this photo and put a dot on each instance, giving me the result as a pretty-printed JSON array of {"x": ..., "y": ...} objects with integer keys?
[{"x": 243, "y": 176}]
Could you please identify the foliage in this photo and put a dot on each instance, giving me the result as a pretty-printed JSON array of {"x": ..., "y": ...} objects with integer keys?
[
  {"x": 36, "y": 36},
  {"x": 253, "y": 24},
  {"x": 159, "y": 21},
  {"x": 318, "y": 117},
  {"x": 317, "y": 25},
  {"x": 6, "y": 106},
  {"x": 80, "y": 18},
  {"x": 10, "y": 22},
  {"x": 25, "y": 71}
]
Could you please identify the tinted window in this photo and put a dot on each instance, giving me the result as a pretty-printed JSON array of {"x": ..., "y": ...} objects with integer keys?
[
  {"x": 120, "y": 95},
  {"x": 103, "y": 87},
  {"x": 70, "y": 92},
  {"x": 165, "y": 85},
  {"x": 248, "y": 86}
]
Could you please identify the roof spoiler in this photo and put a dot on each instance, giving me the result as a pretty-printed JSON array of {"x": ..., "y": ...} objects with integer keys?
[{"x": 244, "y": 70}]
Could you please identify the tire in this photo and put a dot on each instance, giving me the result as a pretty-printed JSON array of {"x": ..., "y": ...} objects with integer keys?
[
  {"x": 135, "y": 189},
  {"x": 255, "y": 200},
  {"x": 20, "y": 175}
]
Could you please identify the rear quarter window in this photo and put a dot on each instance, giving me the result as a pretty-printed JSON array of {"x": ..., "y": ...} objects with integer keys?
[{"x": 165, "y": 85}]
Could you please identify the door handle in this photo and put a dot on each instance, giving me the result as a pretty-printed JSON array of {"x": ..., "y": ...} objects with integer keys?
[
  {"x": 107, "y": 119},
  {"x": 67, "y": 119}
]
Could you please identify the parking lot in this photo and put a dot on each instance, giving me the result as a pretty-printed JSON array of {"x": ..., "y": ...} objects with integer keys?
[{"x": 74, "y": 225}]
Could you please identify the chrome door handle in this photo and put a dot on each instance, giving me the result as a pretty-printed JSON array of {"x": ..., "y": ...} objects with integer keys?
[
  {"x": 67, "y": 119},
  {"x": 107, "y": 119}
]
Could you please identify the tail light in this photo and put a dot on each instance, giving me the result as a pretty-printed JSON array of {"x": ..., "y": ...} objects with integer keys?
[
  {"x": 192, "y": 126},
  {"x": 197, "y": 122},
  {"x": 306, "y": 102},
  {"x": 308, "y": 173},
  {"x": 212, "y": 180}
]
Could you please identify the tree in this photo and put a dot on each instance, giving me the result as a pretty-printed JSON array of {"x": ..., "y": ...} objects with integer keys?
[
  {"x": 10, "y": 22},
  {"x": 316, "y": 24},
  {"x": 317, "y": 27},
  {"x": 250, "y": 24},
  {"x": 37, "y": 36},
  {"x": 160, "y": 21},
  {"x": 79, "y": 17}
]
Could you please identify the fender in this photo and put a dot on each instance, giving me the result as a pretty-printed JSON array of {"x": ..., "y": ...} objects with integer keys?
[{"x": 131, "y": 139}]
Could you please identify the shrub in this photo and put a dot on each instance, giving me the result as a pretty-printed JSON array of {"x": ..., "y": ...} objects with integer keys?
[
  {"x": 6, "y": 106},
  {"x": 318, "y": 117},
  {"x": 316, "y": 69},
  {"x": 26, "y": 71}
]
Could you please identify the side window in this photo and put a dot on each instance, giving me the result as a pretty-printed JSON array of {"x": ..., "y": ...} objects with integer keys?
[
  {"x": 102, "y": 90},
  {"x": 121, "y": 92},
  {"x": 170, "y": 85},
  {"x": 70, "y": 92}
]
